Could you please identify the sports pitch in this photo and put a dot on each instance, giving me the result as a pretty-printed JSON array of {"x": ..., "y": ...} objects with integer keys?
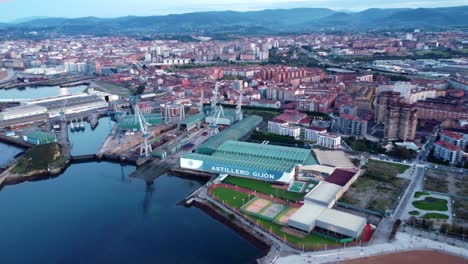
[
  {"x": 283, "y": 218},
  {"x": 263, "y": 208}
]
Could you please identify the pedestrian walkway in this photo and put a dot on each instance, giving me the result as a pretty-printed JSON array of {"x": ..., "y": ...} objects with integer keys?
[{"x": 403, "y": 242}]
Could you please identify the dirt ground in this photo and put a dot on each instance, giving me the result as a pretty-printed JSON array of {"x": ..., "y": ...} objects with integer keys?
[
  {"x": 454, "y": 183},
  {"x": 410, "y": 257}
]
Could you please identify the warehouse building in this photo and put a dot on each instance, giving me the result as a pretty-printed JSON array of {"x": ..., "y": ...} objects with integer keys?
[
  {"x": 251, "y": 160},
  {"x": 227, "y": 119},
  {"x": 314, "y": 217},
  {"x": 234, "y": 132},
  {"x": 325, "y": 194},
  {"x": 21, "y": 112},
  {"x": 304, "y": 218},
  {"x": 340, "y": 223},
  {"x": 333, "y": 158},
  {"x": 193, "y": 121},
  {"x": 39, "y": 137}
]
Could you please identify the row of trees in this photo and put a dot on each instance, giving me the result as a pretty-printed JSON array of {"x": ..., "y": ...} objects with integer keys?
[{"x": 444, "y": 228}]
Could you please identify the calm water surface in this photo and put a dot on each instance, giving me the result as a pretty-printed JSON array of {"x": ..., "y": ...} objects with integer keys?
[
  {"x": 94, "y": 213},
  {"x": 40, "y": 92}
]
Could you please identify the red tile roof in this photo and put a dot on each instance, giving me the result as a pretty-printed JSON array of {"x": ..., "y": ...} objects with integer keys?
[
  {"x": 446, "y": 145},
  {"x": 451, "y": 134},
  {"x": 340, "y": 177}
]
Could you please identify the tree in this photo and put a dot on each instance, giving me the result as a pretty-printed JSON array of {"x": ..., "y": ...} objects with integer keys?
[{"x": 140, "y": 89}]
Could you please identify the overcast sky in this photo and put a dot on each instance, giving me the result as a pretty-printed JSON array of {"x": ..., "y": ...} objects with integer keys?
[{"x": 16, "y": 9}]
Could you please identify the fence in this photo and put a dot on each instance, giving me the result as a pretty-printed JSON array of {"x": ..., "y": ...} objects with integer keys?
[{"x": 359, "y": 209}]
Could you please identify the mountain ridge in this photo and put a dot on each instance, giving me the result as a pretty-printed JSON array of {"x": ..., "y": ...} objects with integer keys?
[{"x": 257, "y": 22}]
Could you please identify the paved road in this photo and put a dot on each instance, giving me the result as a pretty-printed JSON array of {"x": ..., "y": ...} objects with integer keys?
[{"x": 382, "y": 233}]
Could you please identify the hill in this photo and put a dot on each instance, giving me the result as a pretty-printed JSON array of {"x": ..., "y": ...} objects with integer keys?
[{"x": 255, "y": 22}]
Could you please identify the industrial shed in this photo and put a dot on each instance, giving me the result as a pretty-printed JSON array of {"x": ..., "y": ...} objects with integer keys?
[
  {"x": 21, "y": 112},
  {"x": 227, "y": 119},
  {"x": 251, "y": 160},
  {"x": 39, "y": 137},
  {"x": 333, "y": 158},
  {"x": 341, "y": 223},
  {"x": 192, "y": 121},
  {"x": 304, "y": 218},
  {"x": 234, "y": 132},
  {"x": 130, "y": 122},
  {"x": 324, "y": 194}
]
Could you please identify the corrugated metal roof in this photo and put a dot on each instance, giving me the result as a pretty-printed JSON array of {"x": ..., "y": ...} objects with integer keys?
[
  {"x": 242, "y": 161},
  {"x": 341, "y": 222},
  {"x": 308, "y": 213},
  {"x": 267, "y": 151},
  {"x": 324, "y": 192},
  {"x": 193, "y": 119},
  {"x": 234, "y": 132}
]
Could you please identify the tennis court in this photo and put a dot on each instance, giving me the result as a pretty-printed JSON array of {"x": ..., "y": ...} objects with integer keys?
[
  {"x": 256, "y": 205},
  {"x": 296, "y": 186},
  {"x": 263, "y": 208},
  {"x": 273, "y": 210},
  {"x": 285, "y": 215}
]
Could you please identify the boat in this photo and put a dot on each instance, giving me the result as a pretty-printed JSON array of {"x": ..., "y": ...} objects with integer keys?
[
  {"x": 82, "y": 125},
  {"x": 72, "y": 126}
]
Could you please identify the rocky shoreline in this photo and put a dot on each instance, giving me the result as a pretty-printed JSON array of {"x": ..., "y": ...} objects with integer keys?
[
  {"x": 263, "y": 243},
  {"x": 12, "y": 178}
]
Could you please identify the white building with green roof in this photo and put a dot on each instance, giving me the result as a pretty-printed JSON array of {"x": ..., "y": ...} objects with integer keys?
[{"x": 251, "y": 160}]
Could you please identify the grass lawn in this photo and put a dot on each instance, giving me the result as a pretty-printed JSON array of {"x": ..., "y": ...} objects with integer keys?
[
  {"x": 413, "y": 213},
  {"x": 431, "y": 203},
  {"x": 435, "y": 216},
  {"x": 419, "y": 194},
  {"x": 234, "y": 199},
  {"x": 264, "y": 187},
  {"x": 311, "y": 241},
  {"x": 399, "y": 167},
  {"x": 39, "y": 157}
]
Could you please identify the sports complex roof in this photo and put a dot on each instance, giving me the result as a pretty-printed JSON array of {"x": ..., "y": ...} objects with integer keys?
[
  {"x": 324, "y": 193},
  {"x": 246, "y": 162},
  {"x": 256, "y": 156},
  {"x": 267, "y": 151}
]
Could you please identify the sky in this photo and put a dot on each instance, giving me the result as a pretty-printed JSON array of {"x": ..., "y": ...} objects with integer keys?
[{"x": 11, "y": 10}]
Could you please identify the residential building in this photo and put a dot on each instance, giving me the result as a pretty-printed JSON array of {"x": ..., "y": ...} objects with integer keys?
[
  {"x": 448, "y": 152},
  {"x": 453, "y": 138},
  {"x": 352, "y": 125}
]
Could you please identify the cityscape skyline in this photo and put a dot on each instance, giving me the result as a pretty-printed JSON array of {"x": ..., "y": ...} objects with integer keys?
[{"x": 17, "y": 10}]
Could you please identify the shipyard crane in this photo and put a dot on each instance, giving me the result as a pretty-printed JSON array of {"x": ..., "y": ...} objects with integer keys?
[
  {"x": 202, "y": 100},
  {"x": 214, "y": 100},
  {"x": 239, "y": 114},
  {"x": 63, "y": 115},
  {"x": 181, "y": 113},
  {"x": 215, "y": 120},
  {"x": 145, "y": 147},
  {"x": 167, "y": 113}
]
